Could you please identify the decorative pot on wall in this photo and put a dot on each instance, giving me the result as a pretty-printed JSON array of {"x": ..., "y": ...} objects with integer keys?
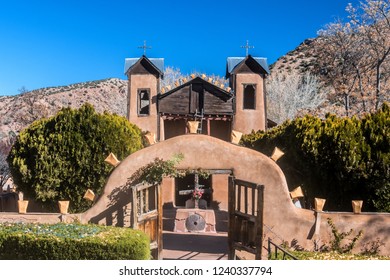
[
  {"x": 235, "y": 137},
  {"x": 89, "y": 195},
  {"x": 63, "y": 205},
  {"x": 277, "y": 154},
  {"x": 357, "y": 206},
  {"x": 319, "y": 204},
  {"x": 193, "y": 126},
  {"x": 22, "y": 206}
]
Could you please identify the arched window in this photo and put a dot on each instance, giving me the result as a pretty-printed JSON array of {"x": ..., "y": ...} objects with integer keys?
[
  {"x": 143, "y": 102},
  {"x": 249, "y": 97}
]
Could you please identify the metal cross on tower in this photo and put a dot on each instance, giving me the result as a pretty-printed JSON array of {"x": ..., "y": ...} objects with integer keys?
[
  {"x": 145, "y": 47},
  {"x": 247, "y": 47}
]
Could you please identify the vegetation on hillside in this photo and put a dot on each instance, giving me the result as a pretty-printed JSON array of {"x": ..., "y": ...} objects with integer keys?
[
  {"x": 350, "y": 59},
  {"x": 59, "y": 158}
]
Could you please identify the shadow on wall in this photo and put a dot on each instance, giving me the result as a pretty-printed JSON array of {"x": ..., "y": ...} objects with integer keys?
[{"x": 119, "y": 210}]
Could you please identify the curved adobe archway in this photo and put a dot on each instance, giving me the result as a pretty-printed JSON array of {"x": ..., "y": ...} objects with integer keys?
[{"x": 282, "y": 219}]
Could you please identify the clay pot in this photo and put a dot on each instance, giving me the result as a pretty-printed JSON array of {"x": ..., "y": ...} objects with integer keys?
[
  {"x": 357, "y": 206},
  {"x": 63, "y": 205},
  {"x": 111, "y": 159},
  {"x": 235, "y": 137},
  {"x": 193, "y": 126},
  {"x": 319, "y": 204},
  {"x": 276, "y": 154},
  {"x": 22, "y": 206},
  {"x": 89, "y": 195}
]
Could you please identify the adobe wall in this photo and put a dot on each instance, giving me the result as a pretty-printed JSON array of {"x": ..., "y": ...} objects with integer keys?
[
  {"x": 247, "y": 120},
  {"x": 148, "y": 123},
  {"x": 282, "y": 220}
]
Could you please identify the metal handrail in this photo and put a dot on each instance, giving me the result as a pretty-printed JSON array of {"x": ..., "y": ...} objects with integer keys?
[{"x": 277, "y": 247}]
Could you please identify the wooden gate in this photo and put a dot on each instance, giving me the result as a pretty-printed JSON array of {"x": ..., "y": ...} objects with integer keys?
[
  {"x": 147, "y": 215},
  {"x": 246, "y": 204}
]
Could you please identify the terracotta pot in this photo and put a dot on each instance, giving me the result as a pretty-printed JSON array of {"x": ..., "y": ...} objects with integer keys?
[
  {"x": 235, "y": 137},
  {"x": 319, "y": 204},
  {"x": 276, "y": 154},
  {"x": 89, "y": 195},
  {"x": 297, "y": 192},
  {"x": 111, "y": 159},
  {"x": 22, "y": 206},
  {"x": 193, "y": 126},
  {"x": 63, "y": 205},
  {"x": 151, "y": 138},
  {"x": 357, "y": 206}
]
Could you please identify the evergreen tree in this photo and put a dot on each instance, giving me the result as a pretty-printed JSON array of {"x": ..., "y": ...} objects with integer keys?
[{"x": 59, "y": 158}]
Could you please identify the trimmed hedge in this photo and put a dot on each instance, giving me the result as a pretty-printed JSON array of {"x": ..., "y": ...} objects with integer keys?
[
  {"x": 339, "y": 159},
  {"x": 71, "y": 242}
]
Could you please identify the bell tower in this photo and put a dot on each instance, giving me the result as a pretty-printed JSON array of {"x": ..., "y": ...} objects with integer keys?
[
  {"x": 247, "y": 79},
  {"x": 143, "y": 76}
]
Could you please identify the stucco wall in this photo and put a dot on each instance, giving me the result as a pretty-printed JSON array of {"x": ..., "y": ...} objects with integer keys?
[
  {"x": 246, "y": 120},
  {"x": 148, "y": 123},
  {"x": 283, "y": 221}
]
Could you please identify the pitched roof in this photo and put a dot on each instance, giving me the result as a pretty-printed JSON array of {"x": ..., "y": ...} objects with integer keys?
[
  {"x": 197, "y": 79},
  {"x": 158, "y": 63},
  {"x": 233, "y": 62}
]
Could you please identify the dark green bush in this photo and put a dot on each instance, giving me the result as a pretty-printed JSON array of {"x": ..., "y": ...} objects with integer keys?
[
  {"x": 59, "y": 158},
  {"x": 71, "y": 242},
  {"x": 339, "y": 159}
]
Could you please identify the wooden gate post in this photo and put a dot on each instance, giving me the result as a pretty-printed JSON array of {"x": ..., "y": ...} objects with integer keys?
[
  {"x": 231, "y": 203},
  {"x": 259, "y": 221}
]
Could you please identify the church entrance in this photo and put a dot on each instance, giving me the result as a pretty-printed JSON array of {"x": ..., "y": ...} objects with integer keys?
[
  {"x": 185, "y": 187},
  {"x": 218, "y": 127}
]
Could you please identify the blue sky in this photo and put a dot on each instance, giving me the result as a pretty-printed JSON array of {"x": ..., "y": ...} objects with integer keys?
[{"x": 52, "y": 43}]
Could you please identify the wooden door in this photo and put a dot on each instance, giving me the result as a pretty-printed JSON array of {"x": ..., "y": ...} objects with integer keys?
[
  {"x": 246, "y": 207},
  {"x": 147, "y": 215}
]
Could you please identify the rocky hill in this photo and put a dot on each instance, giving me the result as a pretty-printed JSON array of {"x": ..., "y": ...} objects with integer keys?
[
  {"x": 19, "y": 111},
  {"x": 301, "y": 59}
]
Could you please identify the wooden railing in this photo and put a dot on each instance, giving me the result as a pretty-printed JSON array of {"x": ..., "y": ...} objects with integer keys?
[{"x": 276, "y": 252}]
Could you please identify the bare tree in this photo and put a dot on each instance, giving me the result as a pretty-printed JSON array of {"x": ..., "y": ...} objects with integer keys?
[
  {"x": 354, "y": 56},
  {"x": 172, "y": 75},
  {"x": 336, "y": 56},
  {"x": 288, "y": 94},
  {"x": 372, "y": 19}
]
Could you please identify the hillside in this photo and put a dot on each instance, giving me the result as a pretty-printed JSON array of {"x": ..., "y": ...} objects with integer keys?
[
  {"x": 19, "y": 111},
  {"x": 301, "y": 59}
]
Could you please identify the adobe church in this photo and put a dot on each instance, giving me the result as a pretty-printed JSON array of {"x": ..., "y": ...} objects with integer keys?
[
  {"x": 166, "y": 111},
  {"x": 219, "y": 110}
]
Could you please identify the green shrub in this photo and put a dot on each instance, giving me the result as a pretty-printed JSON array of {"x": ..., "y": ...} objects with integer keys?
[
  {"x": 59, "y": 158},
  {"x": 71, "y": 242},
  {"x": 340, "y": 159}
]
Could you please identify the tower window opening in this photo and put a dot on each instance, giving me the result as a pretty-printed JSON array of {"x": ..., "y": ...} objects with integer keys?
[
  {"x": 249, "y": 97},
  {"x": 143, "y": 102}
]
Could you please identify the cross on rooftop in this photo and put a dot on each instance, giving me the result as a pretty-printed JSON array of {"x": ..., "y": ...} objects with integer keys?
[
  {"x": 247, "y": 47},
  {"x": 145, "y": 47}
]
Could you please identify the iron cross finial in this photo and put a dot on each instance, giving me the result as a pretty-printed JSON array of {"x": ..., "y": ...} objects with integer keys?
[
  {"x": 145, "y": 47},
  {"x": 247, "y": 47}
]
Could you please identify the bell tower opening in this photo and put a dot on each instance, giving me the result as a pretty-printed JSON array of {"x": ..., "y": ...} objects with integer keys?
[{"x": 249, "y": 97}]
